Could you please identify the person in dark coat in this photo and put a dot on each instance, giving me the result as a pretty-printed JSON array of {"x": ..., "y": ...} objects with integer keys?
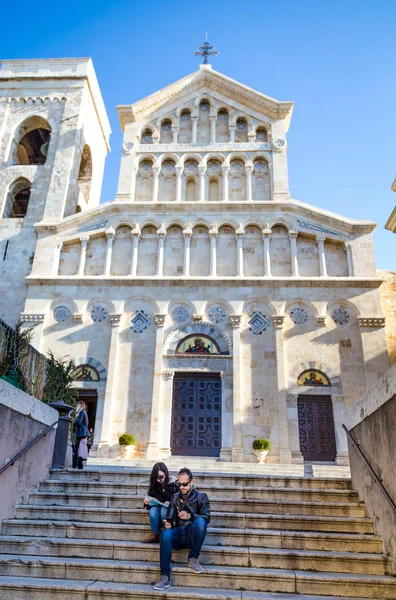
[
  {"x": 81, "y": 434},
  {"x": 162, "y": 487},
  {"x": 185, "y": 526}
]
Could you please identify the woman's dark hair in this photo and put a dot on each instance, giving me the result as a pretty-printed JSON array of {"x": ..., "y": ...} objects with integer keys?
[{"x": 156, "y": 487}]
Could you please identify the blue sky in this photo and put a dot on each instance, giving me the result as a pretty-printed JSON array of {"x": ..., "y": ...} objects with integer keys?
[{"x": 335, "y": 59}]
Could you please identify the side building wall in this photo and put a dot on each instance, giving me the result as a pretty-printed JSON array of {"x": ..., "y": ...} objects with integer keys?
[{"x": 388, "y": 301}]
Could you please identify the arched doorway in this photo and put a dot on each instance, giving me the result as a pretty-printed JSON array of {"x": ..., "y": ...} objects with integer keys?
[
  {"x": 315, "y": 418},
  {"x": 89, "y": 375}
]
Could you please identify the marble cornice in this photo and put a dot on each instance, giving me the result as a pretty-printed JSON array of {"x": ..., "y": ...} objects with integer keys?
[{"x": 264, "y": 283}]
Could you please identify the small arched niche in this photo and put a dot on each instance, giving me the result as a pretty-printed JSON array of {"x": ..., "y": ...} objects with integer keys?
[
  {"x": 17, "y": 201},
  {"x": 203, "y": 136},
  {"x": 166, "y": 132},
  {"x": 167, "y": 183},
  {"x": 147, "y": 136},
  {"x": 185, "y": 130},
  {"x": 31, "y": 142},
  {"x": 261, "y": 180},
  {"x": 222, "y": 126},
  {"x": 241, "y": 133},
  {"x": 261, "y": 134},
  {"x": 85, "y": 173},
  {"x": 200, "y": 251},
  {"x": 280, "y": 252},
  {"x": 144, "y": 182}
]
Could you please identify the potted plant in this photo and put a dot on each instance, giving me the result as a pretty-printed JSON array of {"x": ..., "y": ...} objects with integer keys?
[
  {"x": 261, "y": 447},
  {"x": 127, "y": 443}
]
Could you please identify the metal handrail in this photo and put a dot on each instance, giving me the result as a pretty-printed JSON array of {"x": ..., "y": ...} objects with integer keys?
[
  {"x": 370, "y": 468},
  {"x": 26, "y": 448}
]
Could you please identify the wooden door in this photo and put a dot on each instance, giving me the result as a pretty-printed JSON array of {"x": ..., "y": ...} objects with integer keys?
[
  {"x": 196, "y": 414},
  {"x": 90, "y": 397},
  {"x": 316, "y": 428}
]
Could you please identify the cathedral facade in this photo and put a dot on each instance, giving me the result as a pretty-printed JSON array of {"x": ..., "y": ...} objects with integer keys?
[{"x": 204, "y": 306}]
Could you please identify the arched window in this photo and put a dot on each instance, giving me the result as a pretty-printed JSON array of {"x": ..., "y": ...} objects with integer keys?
[
  {"x": 191, "y": 191},
  {"x": 213, "y": 190},
  {"x": 31, "y": 142},
  {"x": 17, "y": 199},
  {"x": 147, "y": 137},
  {"x": 85, "y": 173},
  {"x": 261, "y": 135},
  {"x": 241, "y": 134},
  {"x": 166, "y": 132}
]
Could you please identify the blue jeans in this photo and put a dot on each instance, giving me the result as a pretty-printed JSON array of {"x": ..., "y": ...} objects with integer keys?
[
  {"x": 157, "y": 515},
  {"x": 190, "y": 536}
]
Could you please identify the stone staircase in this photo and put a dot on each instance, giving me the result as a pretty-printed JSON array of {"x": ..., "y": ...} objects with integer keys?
[{"x": 270, "y": 537}]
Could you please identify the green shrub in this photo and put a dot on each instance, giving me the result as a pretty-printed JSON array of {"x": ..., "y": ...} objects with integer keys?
[
  {"x": 127, "y": 440},
  {"x": 261, "y": 444}
]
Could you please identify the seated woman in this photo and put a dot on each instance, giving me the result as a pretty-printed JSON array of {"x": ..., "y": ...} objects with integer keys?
[{"x": 162, "y": 487}]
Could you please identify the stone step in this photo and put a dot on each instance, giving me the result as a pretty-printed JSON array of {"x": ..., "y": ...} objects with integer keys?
[
  {"x": 33, "y": 588},
  {"x": 215, "y": 465},
  {"x": 270, "y": 558},
  {"x": 214, "y": 577},
  {"x": 218, "y": 519},
  {"x": 111, "y": 500},
  {"x": 261, "y": 538},
  {"x": 220, "y": 478},
  {"x": 265, "y": 493}
]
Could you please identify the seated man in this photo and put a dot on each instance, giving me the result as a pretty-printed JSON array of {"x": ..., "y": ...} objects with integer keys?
[{"x": 185, "y": 526}]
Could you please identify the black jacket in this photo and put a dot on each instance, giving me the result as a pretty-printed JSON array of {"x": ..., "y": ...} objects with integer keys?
[{"x": 196, "y": 503}]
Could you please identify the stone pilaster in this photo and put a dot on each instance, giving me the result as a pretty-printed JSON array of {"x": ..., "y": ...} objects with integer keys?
[
  {"x": 160, "y": 256},
  {"x": 348, "y": 250},
  {"x": 294, "y": 260},
  {"x": 225, "y": 170},
  {"x": 226, "y": 416},
  {"x": 240, "y": 232},
  {"x": 83, "y": 255},
  {"x": 187, "y": 233},
  {"x": 179, "y": 173},
  {"x": 267, "y": 255},
  {"x": 109, "y": 251},
  {"x": 135, "y": 249},
  {"x": 249, "y": 171},
  {"x": 213, "y": 233},
  {"x": 152, "y": 448},
  {"x": 165, "y": 411},
  {"x": 320, "y": 240},
  {"x": 285, "y": 455},
  {"x": 202, "y": 181},
  {"x": 57, "y": 257},
  {"x": 237, "y": 448},
  {"x": 156, "y": 173}
]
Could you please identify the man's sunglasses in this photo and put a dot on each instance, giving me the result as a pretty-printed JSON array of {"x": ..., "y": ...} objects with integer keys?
[{"x": 184, "y": 484}]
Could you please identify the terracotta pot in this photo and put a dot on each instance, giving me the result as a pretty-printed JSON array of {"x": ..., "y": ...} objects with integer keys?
[{"x": 261, "y": 455}]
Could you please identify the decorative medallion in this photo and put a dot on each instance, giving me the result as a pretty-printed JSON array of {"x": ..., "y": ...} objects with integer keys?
[
  {"x": 185, "y": 117},
  {"x": 99, "y": 314},
  {"x": 260, "y": 136},
  {"x": 146, "y": 165},
  {"x": 139, "y": 322},
  {"x": 340, "y": 316},
  {"x": 168, "y": 165},
  {"x": 214, "y": 165},
  {"x": 222, "y": 116},
  {"x": 217, "y": 314},
  {"x": 205, "y": 106},
  {"x": 237, "y": 165},
  {"x": 61, "y": 314},
  {"x": 191, "y": 165},
  {"x": 299, "y": 315},
  {"x": 279, "y": 144},
  {"x": 166, "y": 126},
  {"x": 258, "y": 323},
  {"x": 241, "y": 125},
  {"x": 180, "y": 314}
]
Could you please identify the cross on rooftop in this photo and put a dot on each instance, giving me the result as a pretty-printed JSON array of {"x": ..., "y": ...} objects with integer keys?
[{"x": 206, "y": 50}]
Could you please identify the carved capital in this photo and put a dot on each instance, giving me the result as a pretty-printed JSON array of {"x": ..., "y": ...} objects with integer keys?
[
  {"x": 371, "y": 322},
  {"x": 320, "y": 238},
  {"x": 225, "y": 169},
  {"x": 32, "y": 318},
  {"x": 77, "y": 318},
  {"x": 320, "y": 320},
  {"x": 159, "y": 319},
  {"x": 293, "y": 235},
  {"x": 161, "y": 232},
  {"x": 167, "y": 375},
  {"x": 115, "y": 319},
  {"x": 197, "y": 318},
  {"x": 235, "y": 321},
  {"x": 278, "y": 321},
  {"x": 84, "y": 239}
]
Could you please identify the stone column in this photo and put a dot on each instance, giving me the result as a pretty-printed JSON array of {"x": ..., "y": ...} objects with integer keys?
[
  {"x": 202, "y": 171},
  {"x": 232, "y": 130},
  {"x": 225, "y": 170},
  {"x": 111, "y": 388},
  {"x": 160, "y": 257},
  {"x": 152, "y": 448},
  {"x": 213, "y": 233},
  {"x": 194, "y": 129},
  {"x": 175, "y": 133},
  {"x": 213, "y": 121},
  {"x": 226, "y": 416},
  {"x": 83, "y": 255},
  {"x": 109, "y": 251},
  {"x": 348, "y": 250},
  {"x": 267, "y": 256},
  {"x": 320, "y": 240},
  {"x": 237, "y": 448},
  {"x": 187, "y": 232},
  {"x": 249, "y": 171},
  {"x": 165, "y": 410},
  {"x": 57, "y": 257},
  {"x": 133, "y": 182},
  {"x": 293, "y": 243},
  {"x": 135, "y": 251},
  {"x": 285, "y": 455},
  {"x": 156, "y": 172},
  {"x": 240, "y": 232},
  {"x": 179, "y": 172}
]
